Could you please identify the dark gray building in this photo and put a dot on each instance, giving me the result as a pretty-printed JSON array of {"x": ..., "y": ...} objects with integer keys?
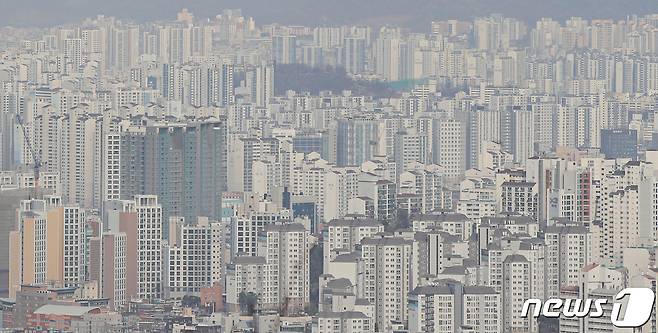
[
  {"x": 308, "y": 142},
  {"x": 619, "y": 143},
  {"x": 10, "y": 201},
  {"x": 185, "y": 165}
]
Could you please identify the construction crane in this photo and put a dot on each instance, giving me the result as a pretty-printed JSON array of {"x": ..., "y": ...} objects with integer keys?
[{"x": 36, "y": 158}]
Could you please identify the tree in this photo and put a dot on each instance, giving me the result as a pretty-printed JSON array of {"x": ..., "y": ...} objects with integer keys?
[
  {"x": 402, "y": 221},
  {"x": 248, "y": 302},
  {"x": 302, "y": 78},
  {"x": 190, "y": 301}
]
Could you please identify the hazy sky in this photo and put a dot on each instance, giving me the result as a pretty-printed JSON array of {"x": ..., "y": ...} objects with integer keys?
[{"x": 415, "y": 13}]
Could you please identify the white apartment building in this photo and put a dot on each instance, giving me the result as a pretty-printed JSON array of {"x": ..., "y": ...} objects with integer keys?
[
  {"x": 343, "y": 322},
  {"x": 432, "y": 310},
  {"x": 112, "y": 167},
  {"x": 568, "y": 250},
  {"x": 518, "y": 286},
  {"x": 509, "y": 260},
  {"x": 520, "y": 198},
  {"x": 457, "y": 225},
  {"x": 426, "y": 180},
  {"x": 245, "y": 229},
  {"x": 71, "y": 145},
  {"x": 452, "y": 307},
  {"x": 410, "y": 146},
  {"x": 485, "y": 127},
  {"x": 244, "y": 275},
  {"x": 381, "y": 193},
  {"x": 481, "y": 310},
  {"x": 72, "y": 243},
  {"x": 266, "y": 175},
  {"x": 508, "y": 224},
  {"x": 260, "y": 82},
  {"x": 187, "y": 258},
  {"x": 595, "y": 282},
  {"x": 450, "y": 148},
  {"x": 81, "y": 155},
  {"x": 149, "y": 247},
  {"x": 340, "y": 185},
  {"x": 492, "y": 156},
  {"x": 286, "y": 249},
  {"x": 387, "y": 263},
  {"x": 308, "y": 178},
  {"x": 628, "y": 210},
  {"x": 218, "y": 231},
  {"x": 343, "y": 236},
  {"x": 242, "y": 153}
]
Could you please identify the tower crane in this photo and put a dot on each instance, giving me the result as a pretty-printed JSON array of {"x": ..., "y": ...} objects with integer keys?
[{"x": 36, "y": 158}]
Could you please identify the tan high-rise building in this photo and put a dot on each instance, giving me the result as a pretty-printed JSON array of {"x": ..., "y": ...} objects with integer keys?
[
  {"x": 107, "y": 266},
  {"x": 48, "y": 245},
  {"x": 141, "y": 221},
  {"x": 28, "y": 246}
]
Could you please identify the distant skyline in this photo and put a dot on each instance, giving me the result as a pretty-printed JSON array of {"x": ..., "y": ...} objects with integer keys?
[
  {"x": 329, "y": 166},
  {"x": 411, "y": 13}
]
